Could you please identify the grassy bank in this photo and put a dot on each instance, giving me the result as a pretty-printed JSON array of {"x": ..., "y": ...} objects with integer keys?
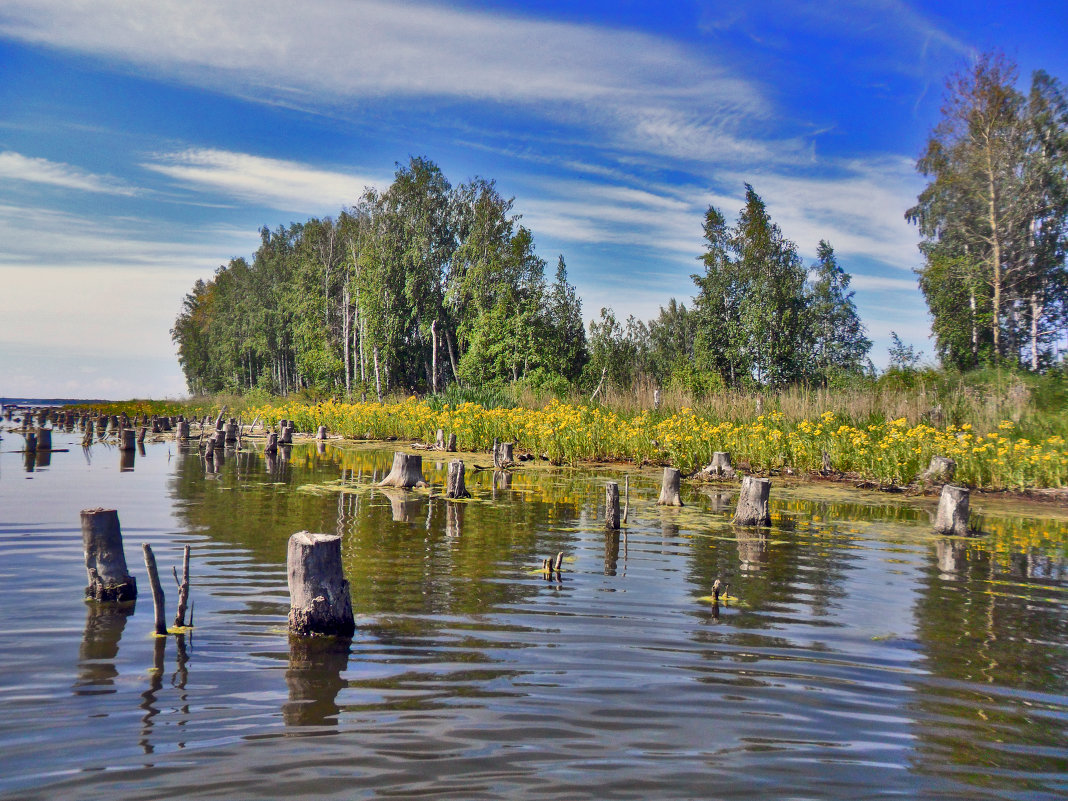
[{"x": 1004, "y": 431}]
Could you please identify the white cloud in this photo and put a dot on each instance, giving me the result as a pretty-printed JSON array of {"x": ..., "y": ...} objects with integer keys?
[
  {"x": 277, "y": 183},
  {"x": 17, "y": 167},
  {"x": 639, "y": 91}
]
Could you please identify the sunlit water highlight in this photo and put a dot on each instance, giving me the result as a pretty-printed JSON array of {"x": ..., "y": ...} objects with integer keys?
[{"x": 861, "y": 657}]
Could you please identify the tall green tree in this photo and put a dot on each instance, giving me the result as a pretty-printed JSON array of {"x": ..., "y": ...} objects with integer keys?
[
  {"x": 839, "y": 344},
  {"x": 996, "y": 198}
]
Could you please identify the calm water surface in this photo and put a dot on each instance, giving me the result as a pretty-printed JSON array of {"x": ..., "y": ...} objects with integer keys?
[{"x": 861, "y": 657}]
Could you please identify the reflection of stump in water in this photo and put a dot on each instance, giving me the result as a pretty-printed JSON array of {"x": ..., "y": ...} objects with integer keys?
[
  {"x": 314, "y": 680},
  {"x": 669, "y": 530},
  {"x": 611, "y": 551},
  {"x": 29, "y": 460},
  {"x": 104, "y": 624},
  {"x": 148, "y": 697},
  {"x": 952, "y": 556},
  {"x": 752, "y": 550},
  {"x": 502, "y": 479},
  {"x": 454, "y": 519},
  {"x": 405, "y": 506},
  {"x": 43, "y": 458},
  {"x": 719, "y": 501},
  {"x": 126, "y": 460}
]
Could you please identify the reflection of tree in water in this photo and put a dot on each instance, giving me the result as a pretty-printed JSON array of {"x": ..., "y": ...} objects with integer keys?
[
  {"x": 405, "y": 552},
  {"x": 993, "y": 632},
  {"x": 104, "y": 625},
  {"x": 314, "y": 680}
]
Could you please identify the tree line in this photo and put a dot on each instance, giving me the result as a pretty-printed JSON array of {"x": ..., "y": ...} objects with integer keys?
[
  {"x": 994, "y": 218},
  {"x": 425, "y": 285}
]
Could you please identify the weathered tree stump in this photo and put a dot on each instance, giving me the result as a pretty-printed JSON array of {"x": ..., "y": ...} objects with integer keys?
[
  {"x": 720, "y": 466},
  {"x": 287, "y": 434},
  {"x": 611, "y": 505},
  {"x": 105, "y": 561},
  {"x": 128, "y": 440},
  {"x": 505, "y": 454},
  {"x": 321, "y": 433},
  {"x": 451, "y": 446},
  {"x": 439, "y": 441},
  {"x": 141, "y": 432},
  {"x": 320, "y": 602},
  {"x": 182, "y": 434},
  {"x": 407, "y": 471},
  {"x": 44, "y": 439},
  {"x": 87, "y": 437},
  {"x": 455, "y": 485},
  {"x": 825, "y": 467},
  {"x": 158, "y": 603},
  {"x": 940, "y": 471},
  {"x": 272, "y": 444},
  {"x": 230, "y": 432},
  {"x": 952, "y": 516},
  {"x": 669, "y": 491},
  {"x": 753, "y": 503}
]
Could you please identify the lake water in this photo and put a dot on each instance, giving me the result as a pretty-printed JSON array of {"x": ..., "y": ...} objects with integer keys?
[{"x": 859, "y": 656}]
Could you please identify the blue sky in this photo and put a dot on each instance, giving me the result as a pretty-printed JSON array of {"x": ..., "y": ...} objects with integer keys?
[{"x": 144, "y": 144}]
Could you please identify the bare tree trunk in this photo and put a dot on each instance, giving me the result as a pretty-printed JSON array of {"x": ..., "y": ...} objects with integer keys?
[
  {"x": 1036, "y": 312},
  {"x": 434, "y": 357},
  {"x": 996, "y": 244},
  {"x": 378, "y": 377},
  {"x": 346, "y": 324},
  {"x": 975, "y": 329},
  {"x": 452, "y": 355}
]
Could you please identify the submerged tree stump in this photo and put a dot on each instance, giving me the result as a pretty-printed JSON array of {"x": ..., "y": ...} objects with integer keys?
[
  {"x": 940, "y": 471},
  {"x": 230, "y": 432},
  {"x": 407, "y": 471},
  {"x": 753, "y": 503},
  {"x": 272, "y": 444},
  {"x": 455, "y": 486},
  {"x": 320, "y": 602},
  {"x": 952, "y": 515},
  {"x": 105, "y": 561},
  {"x": 128, "y": 440},
  {"x": 141, "y": 432},
  {"x": 439, "y": 441},
  {"x": 182, "y": 434},
  {"x": 669, "y": 491},
  {"x": 31, "y": 443},
  {"x": 611, "y": 505},
  {"x": 287, "y": 434},
  {"x": 451, "y": 446},
  {"x": 321, "y": 433}
]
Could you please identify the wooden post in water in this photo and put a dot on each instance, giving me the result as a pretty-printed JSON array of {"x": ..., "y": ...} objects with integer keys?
[
  {"x": 128, "y": 440},
  {"x": 455, "y": 485},
  {"x": 952, "y": 516},
  {"x": 505, "y": 454},
  {"x": 230, "y": 432},
  {"x": 753, "y": 503},
  {"x": 105, "y": 560},
  {"x": 160, "y": 626},
  {"x": 287, "y": 434},
  {"x": 319, "y": 599},
  {"x": 611, "y": 505},
  {"x": 141, "y": 432},
  {"x": 407, "y": 471},
  {"x": 669, "y": 492}
]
